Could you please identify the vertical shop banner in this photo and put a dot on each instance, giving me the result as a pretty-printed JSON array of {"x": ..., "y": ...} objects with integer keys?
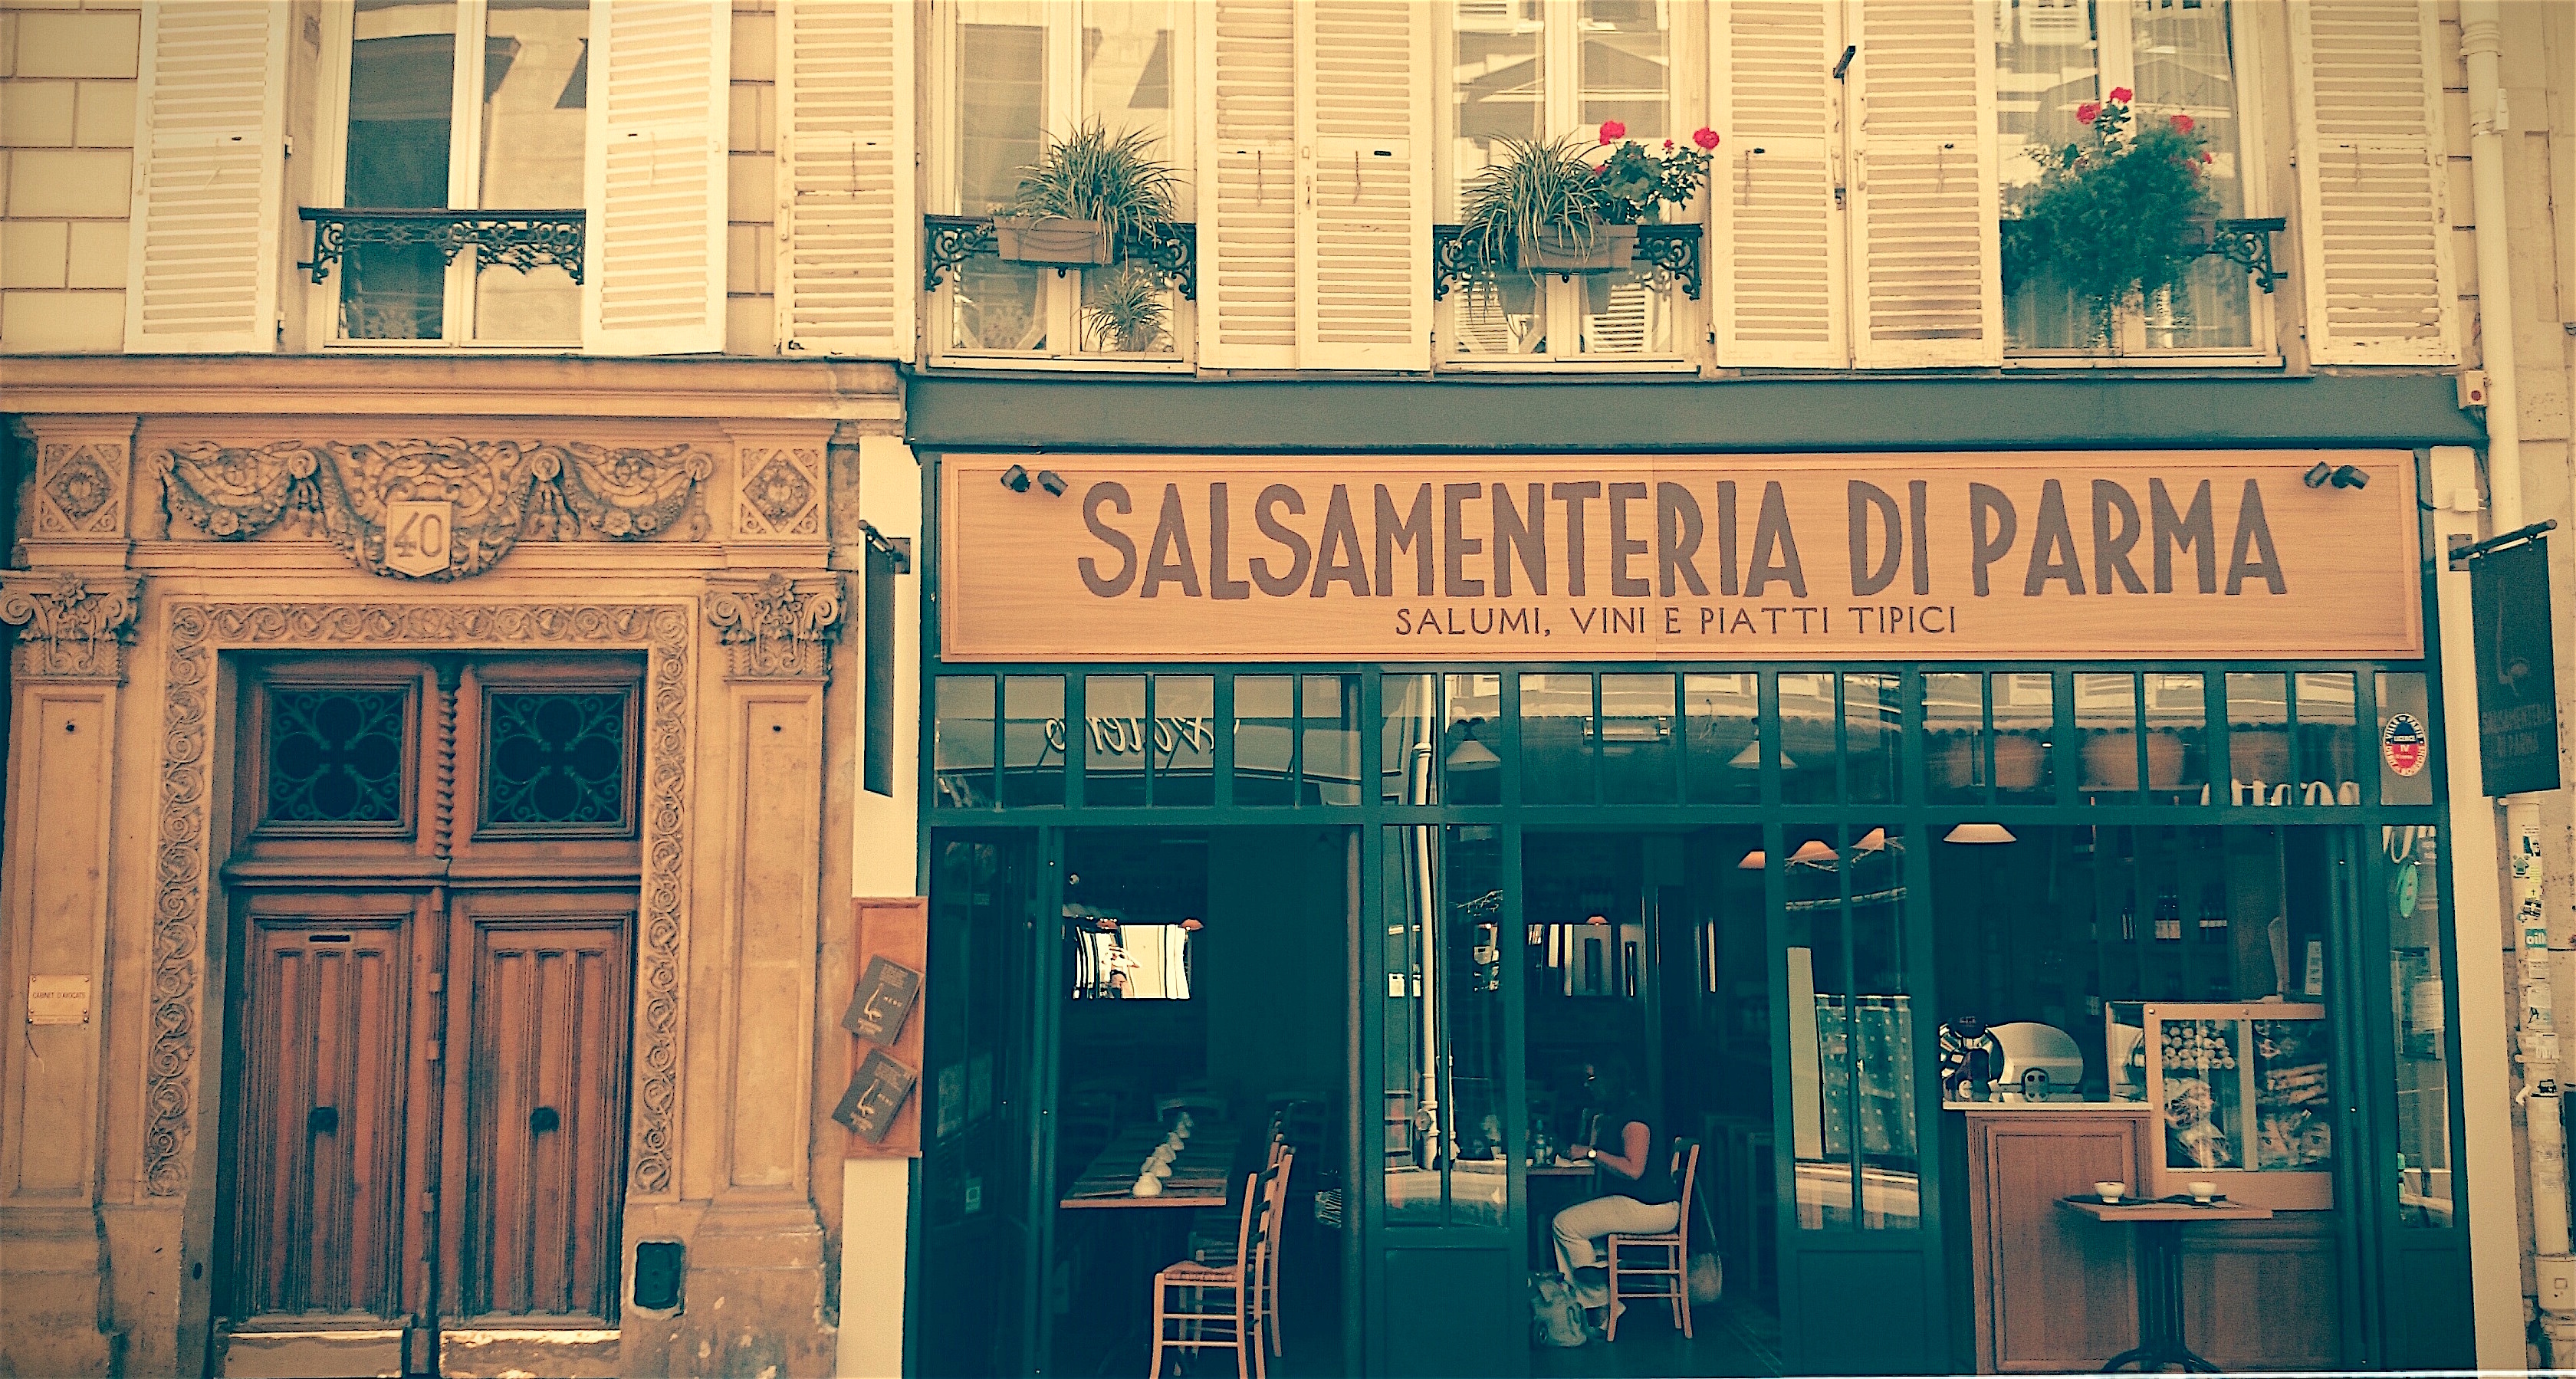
[
  {"x": 2517, "y": 677},
  {"x": 2173, "y": 554}
]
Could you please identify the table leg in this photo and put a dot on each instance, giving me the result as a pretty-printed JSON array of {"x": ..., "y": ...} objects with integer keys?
[{"x": 2160, "y": 1305}]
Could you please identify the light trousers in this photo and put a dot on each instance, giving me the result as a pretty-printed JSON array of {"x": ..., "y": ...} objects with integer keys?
[{"x": 1581, "y": 1228}]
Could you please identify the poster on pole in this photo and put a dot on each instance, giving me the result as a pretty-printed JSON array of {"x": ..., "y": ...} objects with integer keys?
[{"x": 2517, "y": 679}]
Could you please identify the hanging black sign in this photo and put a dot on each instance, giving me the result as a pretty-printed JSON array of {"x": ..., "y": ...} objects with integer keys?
[{"x": 2517, "y": 679}]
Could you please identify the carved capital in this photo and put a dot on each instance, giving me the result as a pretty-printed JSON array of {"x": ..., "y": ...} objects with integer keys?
[
  {"x": 776, "y": 628},
  {"x": 72, "y": 627}
]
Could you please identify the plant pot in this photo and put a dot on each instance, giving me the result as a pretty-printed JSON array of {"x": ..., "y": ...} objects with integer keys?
[
  {"x": 1051, "y": 241},
  {"x": 1612, "y": 247}
]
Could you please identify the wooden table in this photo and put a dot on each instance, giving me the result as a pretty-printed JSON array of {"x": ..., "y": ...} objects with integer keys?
[
  {"x": 2160, "y": 1223},
  {"x": 1199, "y": 1172}
]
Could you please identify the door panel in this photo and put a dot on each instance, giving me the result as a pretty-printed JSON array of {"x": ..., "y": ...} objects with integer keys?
[
  {"x": 319, "y": 1143},
  {"x": 545, "y": 1107}
]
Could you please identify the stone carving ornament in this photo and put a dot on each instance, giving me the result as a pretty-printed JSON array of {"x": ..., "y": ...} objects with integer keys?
[
  {"x": 778, "y": 629},
  {"x": 77, "y": 626},
  {"x": 501, "y": 491}
]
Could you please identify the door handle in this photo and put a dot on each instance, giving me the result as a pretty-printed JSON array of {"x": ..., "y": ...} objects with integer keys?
[
  {"x": 322, "y": 1120},
  {"x": 543, "y": 1119}
]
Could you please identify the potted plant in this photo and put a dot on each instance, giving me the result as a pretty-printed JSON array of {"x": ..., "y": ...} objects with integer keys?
[
  {"x": 1547, "y": 208},
  {"x": 1087, "y": 195},
  {"x": 2119, "y": 215},
  {"x": 1124, "y": 310}
]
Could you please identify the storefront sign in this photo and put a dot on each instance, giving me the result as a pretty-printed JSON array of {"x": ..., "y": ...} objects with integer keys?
[
  {"x": 2517, "y": 680},
  {"x": 1904, "y": 557}
]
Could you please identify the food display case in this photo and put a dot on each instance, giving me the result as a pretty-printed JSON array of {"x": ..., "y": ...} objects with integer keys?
[{"x": 2243, "y": 1092}]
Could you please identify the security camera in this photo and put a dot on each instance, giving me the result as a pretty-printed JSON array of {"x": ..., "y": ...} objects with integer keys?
[
  {"x": 2351, "y": 477},
  {"x": 1016, "y": 479},
  {"x": 1052, "y": 482},
  {"x": 2316, "y": 477}
]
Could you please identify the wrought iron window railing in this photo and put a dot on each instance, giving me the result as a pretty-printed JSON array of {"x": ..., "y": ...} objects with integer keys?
[
  {"x": 1667, "y": 256},
  {"x": 2248, "y": 243},
  {"x": 948, "y": 241},
  {"x": 523, "y": 240}
]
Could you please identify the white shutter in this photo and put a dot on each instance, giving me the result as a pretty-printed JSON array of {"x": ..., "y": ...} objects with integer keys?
[
  {"x": 654, "y": 274},
  {"x": 1775, "y": 234},
  {"x": 2375, "y": 234},
  {"x": 1927, "y": 270},
  {"x": 1364, "y": 247},
  {"x": 1247, "y": 234},
  {"x": 209, "y": 178},
  {"x": 849, "y": 235}
]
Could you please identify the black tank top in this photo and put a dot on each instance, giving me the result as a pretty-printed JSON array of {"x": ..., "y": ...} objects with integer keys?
[{"x": 1653, "y": 1187}]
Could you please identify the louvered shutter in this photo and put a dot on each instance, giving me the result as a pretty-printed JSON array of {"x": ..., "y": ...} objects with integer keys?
[
  {"x": 1775, "y": 234},
  {"x": 849, "y": 236},
  {"x": 654, "y": 268},
  {"x": 1247, "y": 235},
  {"x": 2375, "y": 235},
  {"x": 209, "y": 178},
  {"x": 1364, "y": 247},
  {"x": 1925, "y": 264}
]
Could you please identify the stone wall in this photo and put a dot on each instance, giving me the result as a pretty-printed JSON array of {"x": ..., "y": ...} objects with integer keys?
[{"x": 67, "y": 81}]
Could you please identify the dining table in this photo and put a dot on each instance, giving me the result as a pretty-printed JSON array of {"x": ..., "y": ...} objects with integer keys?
[{"x": 1199, "y": 1171}]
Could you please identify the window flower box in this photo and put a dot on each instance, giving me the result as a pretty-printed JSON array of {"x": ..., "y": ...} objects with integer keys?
[{"x": 1051, "y": 241}]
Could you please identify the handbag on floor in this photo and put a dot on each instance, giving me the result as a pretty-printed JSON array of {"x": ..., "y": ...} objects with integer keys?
[
  {"x": 1556, "y": 1319},
  {"x": 1707, "y": 1271}
]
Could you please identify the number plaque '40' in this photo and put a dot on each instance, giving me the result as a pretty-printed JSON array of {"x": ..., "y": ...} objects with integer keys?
[{"x": 419, "y": 536}]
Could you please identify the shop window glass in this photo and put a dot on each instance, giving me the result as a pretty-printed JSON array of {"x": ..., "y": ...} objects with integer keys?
[
  {"x": 1882, "y": 1032},
  {"x": 1855, "y": 1137},
  {"x": 1468, "y": 761},
  {"x": 2177, "y": 711},
  {"x": 1873, "y": 738},
  {"x": 1447, "y": 1153},
  {"x": 1408, "y": 739},
  {"x": 1033, "y": 739},
  {"x": 1117, "y": 739},
  {"x": 2405, "y": 739},
  {"x": 1182, "y": 740},
  {"x": 1001, "y": 111},
  {"x": 2419, "y": 978},
  {"x": 2025, "y": 718},
  {"x": 2326, "y": 713},
  {"x": 1954, "y": 738},
  {"x": 336, "y": 755},
  {"x": 1328, "y": 763},
  {"x": 1638, "y": 753},
  {"x": 2106, "y": 722},
  {"x": 962, "y": 742},
  {"x": 1807, "y": 747},
  {"x": 2258, "y": 737},
  {"x": 1265, "y": 739},
  {"x": 1556, "y": 739},
  {"x": 1724, "y": 750}
]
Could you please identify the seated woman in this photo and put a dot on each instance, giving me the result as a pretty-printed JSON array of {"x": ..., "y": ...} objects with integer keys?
[{"x": 1636, "y": 1194}]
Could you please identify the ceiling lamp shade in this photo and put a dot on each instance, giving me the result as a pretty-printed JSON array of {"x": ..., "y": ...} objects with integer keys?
[
  {"x": 1471, "y": 755},
  {"x": 1979, "y": 833},
  {"x": 1872, "y": 841},
  {"x": 1753, "y": 861},
  {"x": 1814, "y": 852}
]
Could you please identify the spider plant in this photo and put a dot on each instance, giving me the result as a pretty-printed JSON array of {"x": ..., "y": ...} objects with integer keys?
[
  {"x": 1123, "y": 309},
  {"x": 1091, "y": 174},
  {"x": 1533, "y": 190}
]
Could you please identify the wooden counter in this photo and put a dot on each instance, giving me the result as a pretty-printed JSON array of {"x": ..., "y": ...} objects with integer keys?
[{"x": 2057, "y": 1292}]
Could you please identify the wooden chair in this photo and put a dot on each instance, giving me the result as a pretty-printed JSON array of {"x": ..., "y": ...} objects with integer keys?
[
  {"x": 1668, "y": 1253},
  {"x": 1267, "y": 1285},
  {"x": 1183, "y": 1291}
]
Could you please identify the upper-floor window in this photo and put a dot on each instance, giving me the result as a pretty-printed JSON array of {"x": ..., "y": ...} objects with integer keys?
[
  {"x": 1020, "y": 72},
  {"x": 1536, "y": 71},
  {"x": 2052, "y": 59},
  {"x": 461, "y": 105}
]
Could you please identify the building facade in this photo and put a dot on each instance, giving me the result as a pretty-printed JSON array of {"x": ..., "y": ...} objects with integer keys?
[{"x": 549, "y": 538}]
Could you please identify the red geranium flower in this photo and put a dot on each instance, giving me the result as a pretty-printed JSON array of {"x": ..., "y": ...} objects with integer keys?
[
  {"x": 1705, "y": 137},
  {"x": 1668, "y": 145},
  {"x": 2204, "y": 155},
  {"x": 2183, "y": 123},
  {"x": 1612, "y": 131},
  {"x": 2088, "y": 112},
  {"x": 2120, "y": 95}
]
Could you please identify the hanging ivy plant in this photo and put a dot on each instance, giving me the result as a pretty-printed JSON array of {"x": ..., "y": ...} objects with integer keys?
[{"x": 2119, "y": 214}]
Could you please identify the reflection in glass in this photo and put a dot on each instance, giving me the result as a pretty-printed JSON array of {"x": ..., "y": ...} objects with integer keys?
[
  {"x": 2204, "y": 1105},
  {"x": 1473, "y": 771},
  {"x": 2184, "y": 63},
  {"x": 2258, "y": 738},
  {"x": 1183, "y": 739},
  {"x": 2418, "y": 980},
  {"x": 962, "y": 742},
  {"x": 2177, "y": 709},
  {"x": 1265, "y": 739},
  {"x": 1637, "y": 747},
  {"x": 1873, "y": 725},
  {"x": 2025, "y": 717},
  {"x": 2327, "y": 712},
  {"x": 1033, "y": 739},
  {"x": 1127, "y": 65},
  {"x": 1627, "y": 67},
  {"x": 1116, "y": 739},
  {"x": 1807, "y": 746},
  {"x": 402, "y": 105},
  {"x": 998, "y": 306},
  {"x": 1556, "y": 739},
  {"x": 1502, "y": 315},
  {"x": 1408, "y": 740},
  {"x": 1329, "y": 762},
  {"x": 2405, "y": 764},
  {"x": 1859, "y": 1157},
  {"x": 1954, "y": 737},
  {"x": 1447, "y": 1153},
  {"x": 1724, "y": 751},
  {"x": 1625, "y": 313},
  {"x": 2106, "y": 722},
  {"x": 535, "y": 130}
]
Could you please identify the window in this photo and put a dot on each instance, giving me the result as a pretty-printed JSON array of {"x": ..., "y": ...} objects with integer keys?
[
  {"x": 2179, "y": 57},
  {"x": 336, "y": 756},
  {"x": 462, "y": 105},
  {"x": 554, "y": 760},
  {"x": 1025, "y": 70},
  {"x": 1538, "y": 70}
]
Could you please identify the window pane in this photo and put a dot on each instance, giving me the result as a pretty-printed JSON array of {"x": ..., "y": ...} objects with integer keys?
[
  {"x": 998, "y": 306},
  {"x": 556, "y": 759},
  {"x": 1505, "y": 314},
  {"x": 1408, "y": 740},
  {"x": 2326, "y": 716},
  {"x": 535, "y": 129},
  {"x": 1624, "y": 313},
  {"x": 1556, "y": 739},
  {"x": 1330, "y": 767},
  {"x": 402, "y": 106},
  {"x": 1184, "y": 739},
  {"x": 1033, "y": 739},
  {"x": 1627, "y": 66},
  {"x": 2185, "y": 64},
  {"x": 1954, "y": 738},
  {"x": 1001, "y": 99},
  {"x": 2025, "y": 711},
  {"x": 1265, "y": 739},
  {"x": 1820, "y": 1052},
  {"x": 2045, "y": 66},
  {"x": 1806, "y": 738},
  {"x": 962, "y": 742},
  {"x": 1725, "y": 755},
  {"x": 2106, "y": 722},
  {"x": 2258, "y": 738},
  {"x": 1873, "y": 726},
  {"x": 336, "y": 756},
  {"x": 1127, "y": 66},
  {"x": 1637, "y": 747},
  {"x": 2419, "y": 977},
  {"x": 2405, "y": 748},
  {"x": 1474, "y": 772},
  {"x": 2177, "y": 737},
  {"x": 1501, "y": 87},
  {"x": 1480, "y": 1173},
  {"x": 1115, "y": 739},
  {"x": 1882, "y": 1032}
]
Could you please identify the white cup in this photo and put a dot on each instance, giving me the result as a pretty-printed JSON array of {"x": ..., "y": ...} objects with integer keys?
[
  {"x": 1161, "y": 1168},
  {"x": 2203, "y": 1191},
  {"x": 2111, "y": 1191},
  {"x": 1147, "y": 1185}
]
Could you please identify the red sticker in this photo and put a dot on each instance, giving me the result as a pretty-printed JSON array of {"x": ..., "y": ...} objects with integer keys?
[{"x": 2402, "y": 742}]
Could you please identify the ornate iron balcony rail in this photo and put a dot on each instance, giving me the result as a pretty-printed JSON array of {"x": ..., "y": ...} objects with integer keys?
[
  {"x": 1666, "y": 254},
  {"x": 2248, "y": 243},
  {"x": 524, "y": 240},
  {"x": 948, "y": 241}
]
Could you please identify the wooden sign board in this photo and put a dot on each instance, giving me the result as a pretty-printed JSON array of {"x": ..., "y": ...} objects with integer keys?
[
  {"x": 878, "y": 1107},
  {"x": 2135, "y": 554}
]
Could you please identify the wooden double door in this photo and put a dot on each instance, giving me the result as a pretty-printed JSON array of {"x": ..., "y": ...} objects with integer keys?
[{"x": 433, "y": 904}]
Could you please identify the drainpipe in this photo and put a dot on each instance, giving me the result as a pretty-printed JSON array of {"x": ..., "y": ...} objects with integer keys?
[{"x": 2481, "y": 44}]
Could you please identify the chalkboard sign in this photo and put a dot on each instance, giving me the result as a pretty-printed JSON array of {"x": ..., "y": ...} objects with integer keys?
[
  {"x": 877, "y": 1090},
  {"x": 883, "y": 1001},
  {"x": 2516, "y": 674}
]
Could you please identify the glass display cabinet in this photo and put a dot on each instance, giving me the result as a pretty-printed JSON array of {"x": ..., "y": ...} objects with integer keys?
[{"x": 2243, "y": 1089}]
